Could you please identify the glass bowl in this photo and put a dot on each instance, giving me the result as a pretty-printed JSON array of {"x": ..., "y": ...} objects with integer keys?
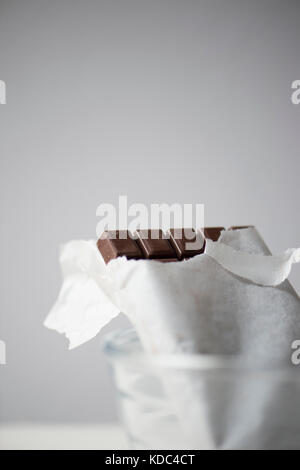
[{"x": 201, "y": 401}]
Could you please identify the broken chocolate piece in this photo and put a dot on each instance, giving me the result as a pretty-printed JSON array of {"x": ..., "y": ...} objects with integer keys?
[
  {"x": 180, "y": 238},
  {"x": 240, "y": 227},
  {"x": 111, "y": 246},
  {"x": 154, "y": 245},
  {"x": 167, "y": 260},
  {"x": 213, "y": 233}
]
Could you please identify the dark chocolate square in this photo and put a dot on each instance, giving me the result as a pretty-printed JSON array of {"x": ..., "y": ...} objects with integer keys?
[
  {"x": 179, "y": 242},
  {"x": 154, "y": 244},
  {"x": 111, "y": 247}
]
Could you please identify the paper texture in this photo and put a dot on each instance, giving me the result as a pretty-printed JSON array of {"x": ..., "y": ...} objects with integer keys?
[
  {"x": 83, "y": 307},
  {"x": 234, "y": 299}
]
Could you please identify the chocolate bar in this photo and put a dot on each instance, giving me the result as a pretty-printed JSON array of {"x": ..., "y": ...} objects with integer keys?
[{"x": 154, "y": 244}]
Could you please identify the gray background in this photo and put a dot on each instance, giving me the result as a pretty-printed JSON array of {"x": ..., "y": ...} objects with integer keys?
[{"x": 165, "y": 101}]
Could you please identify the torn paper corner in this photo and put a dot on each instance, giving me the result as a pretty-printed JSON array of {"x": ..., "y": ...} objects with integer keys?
[
  {"x": 82, "y": 308},
  {"x": 81, "y": 311}
]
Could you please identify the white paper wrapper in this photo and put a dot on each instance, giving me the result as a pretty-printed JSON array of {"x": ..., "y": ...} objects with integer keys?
[{"x": 234, "y": 299}]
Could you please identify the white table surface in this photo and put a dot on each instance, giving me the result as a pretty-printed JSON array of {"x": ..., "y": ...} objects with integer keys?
[{"x": 28, "y": 436}]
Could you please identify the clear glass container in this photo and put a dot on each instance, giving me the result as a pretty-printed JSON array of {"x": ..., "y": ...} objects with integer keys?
[{"x": 201, "y": 401}]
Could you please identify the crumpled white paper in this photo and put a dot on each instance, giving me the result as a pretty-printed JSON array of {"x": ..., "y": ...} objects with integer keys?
[
  {"x": 83, "y": 306},
  {"x": 221, "y": 295},
  {"x": 234, "y": 299},
  {"x": 263, "y": 270}
]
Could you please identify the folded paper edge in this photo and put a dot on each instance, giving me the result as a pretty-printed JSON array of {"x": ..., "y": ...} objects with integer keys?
[{"x": 265, "y": 270}]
